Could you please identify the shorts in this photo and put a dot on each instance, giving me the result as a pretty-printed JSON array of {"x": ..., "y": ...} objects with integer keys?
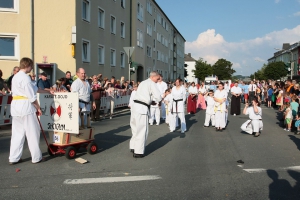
[
  {"x": 246, "y": 96},
  {"x": 288, "y": 120},
  {"x": 269, "y": 98}
]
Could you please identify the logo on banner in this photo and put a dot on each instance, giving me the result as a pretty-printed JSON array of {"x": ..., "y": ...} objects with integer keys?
[{"x": 55, "y": 111}]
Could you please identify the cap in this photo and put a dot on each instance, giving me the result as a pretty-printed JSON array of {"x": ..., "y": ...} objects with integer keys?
[{"x": 43, "y": 74}]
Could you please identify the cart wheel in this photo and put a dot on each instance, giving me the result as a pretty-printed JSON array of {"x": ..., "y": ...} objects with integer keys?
[
  {"x": 92, "y": 148},
  {"x": 49, "y": 151},
  {"x": 70, "y": 152}
]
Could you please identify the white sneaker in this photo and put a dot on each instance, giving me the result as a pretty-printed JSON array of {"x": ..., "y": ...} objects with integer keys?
[
  {"x": 182, "y": 132},
  {"x": 151, "y": 124},
  {"x": 110, "y": 118},
  {"x": 234, "y": 114},
  {"x": 157, "y": 124}
]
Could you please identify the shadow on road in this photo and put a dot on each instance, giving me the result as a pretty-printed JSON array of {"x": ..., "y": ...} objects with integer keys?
[{"x": 295, "y": 140}]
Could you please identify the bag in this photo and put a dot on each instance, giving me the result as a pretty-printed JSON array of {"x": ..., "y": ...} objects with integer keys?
[{"x": 273, "y": 98}]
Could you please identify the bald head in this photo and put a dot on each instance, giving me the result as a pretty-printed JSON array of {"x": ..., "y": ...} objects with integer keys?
[
  {"x": 154, "y": 76},
  {"x": 81, "y": 74}
]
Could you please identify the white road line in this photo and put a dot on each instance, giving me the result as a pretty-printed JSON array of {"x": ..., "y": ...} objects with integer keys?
[
  {"x": 111, "y": 179},
  {"x": 260, "y": 170}
]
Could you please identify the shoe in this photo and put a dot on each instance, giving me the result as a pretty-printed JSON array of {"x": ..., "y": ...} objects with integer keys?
[
  {"x": 234, "y": 114},
  {"x": 151, "y": 124},
  {"x": 189, "y": 113},
  {"x": 171, "y": 131},
  {"x": 13, "y": 163},
  {"x": 257, "y": 134},
  {"x": 42, "y": 160},
  {"x": 157, "y": 124},
  {"x": 138, "y": 155},
  {"x": 182, "y": 132},
  {"x": 205, "y": 126},
  {"x": 297, "y": 133},
  {"x": 110, "y": 117},
  {"x": 132, "y": 150}
]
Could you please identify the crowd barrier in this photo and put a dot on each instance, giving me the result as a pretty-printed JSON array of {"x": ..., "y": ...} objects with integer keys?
[{"x": 121, "y": 100}]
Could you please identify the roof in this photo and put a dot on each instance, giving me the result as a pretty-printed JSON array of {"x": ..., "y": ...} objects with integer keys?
[{"x": 188, "y": 57}]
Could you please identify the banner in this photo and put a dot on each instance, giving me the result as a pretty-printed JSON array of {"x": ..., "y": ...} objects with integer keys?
[{"x": 59, "y": 112}]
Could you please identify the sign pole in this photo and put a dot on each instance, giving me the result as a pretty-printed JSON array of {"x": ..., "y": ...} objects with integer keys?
[{"x": 129, "y": 65}]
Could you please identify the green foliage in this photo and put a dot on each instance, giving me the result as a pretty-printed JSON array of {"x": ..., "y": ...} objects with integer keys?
[
  {"x": 202, "y": 69},
  {"x": 223, "y": 69},
  {"x": 275, "y": 70}
]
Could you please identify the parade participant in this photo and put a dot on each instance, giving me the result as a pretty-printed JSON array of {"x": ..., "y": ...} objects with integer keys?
[
  {"x": 167, "y": 101},
  {"x": 83, "y": 88},
  {"x": 24, "y": 107},
  {"x": 177, "y": 110},
  {"x": 146, "y": 91},
  {"x": 252, "y": 91},
  {"x": 162, "y": 86},
  {"x": 235, "y": 100},
  {"x": 210, "y": 112},
  {"x": 201, "y": 101},
  {"x": 220, "y": 97},
  {"x": 154, "y": 112},
  {"x": 254, "y": 124},
  {"x": 132, "y": 95},
  {"x": 192, "y": 99},
  {"x": 227, "y": 87}
]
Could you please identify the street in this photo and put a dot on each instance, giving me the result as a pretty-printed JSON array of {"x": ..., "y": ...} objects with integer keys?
[{"x": 200, "y": 164}]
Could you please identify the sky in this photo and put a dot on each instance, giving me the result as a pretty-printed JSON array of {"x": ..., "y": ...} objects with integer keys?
[{"x": 244, "y": 32}]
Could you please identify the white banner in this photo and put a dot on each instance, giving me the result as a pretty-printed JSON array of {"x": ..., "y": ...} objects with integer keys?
[{"x": 59, "y": 112}]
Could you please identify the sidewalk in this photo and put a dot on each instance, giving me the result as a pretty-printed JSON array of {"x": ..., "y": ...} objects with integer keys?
[{"x": 5, "y": 130}]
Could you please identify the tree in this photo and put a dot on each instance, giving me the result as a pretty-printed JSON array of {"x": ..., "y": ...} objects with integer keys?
[
  {"x": 202, "y": 69},
  {"x": 223, "y": 69},
  {"x": 275, "y": 70}
]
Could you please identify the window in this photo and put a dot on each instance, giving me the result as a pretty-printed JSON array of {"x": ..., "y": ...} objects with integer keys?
[
  {"x": 122, "y": 29},
  {"x": 112, "y": 57},
  {"x": 9, "y": 46},
  {"x": 149, "y": 29},
  {"x": 154, "y": 25},
  {"x": 113, "y": 24},
  {"x": 9, "y": 5},
  {"x": 85, "y": 50},
  {"x": 154, "y": 43},
  {"x": 159, "y": 18},
  {"x": 149, "y": 51},
  {"x": 86, "y": 10},
  {"x": 100, "y": 54},
  {"x": 149, "y": 7},
  {"x": 139, "y": 38},
  {"x": 122, "y": 60},
  {"x": 123, "y": 3},
  {"x": 101, "y": 18},
  {"x": 140, "y": 12}
]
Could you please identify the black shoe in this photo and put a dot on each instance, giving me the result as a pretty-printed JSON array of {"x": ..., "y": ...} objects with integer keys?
[
  {"x": 217, "y": 129},
  {"x": 132, "y": 150},
  {"x": 205, "y": 126},
  {"x": 138, "y": 155},
  {"x": 13, "y": 163}
]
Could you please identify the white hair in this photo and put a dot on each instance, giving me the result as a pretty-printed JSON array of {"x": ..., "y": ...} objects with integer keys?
[{"x": 154, "y": 73}]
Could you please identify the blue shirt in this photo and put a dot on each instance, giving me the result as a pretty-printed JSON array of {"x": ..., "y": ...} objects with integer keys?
[
  {"x": 246, "y": 89},
  {"x": 270, "y": 92},
  {"x": 213, "y": 87},
  {"x": 43, "y": 84},
  {"x": 294, "y": 106}
]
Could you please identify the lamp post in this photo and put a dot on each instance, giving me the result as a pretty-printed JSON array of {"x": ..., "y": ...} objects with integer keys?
[{"x": 292, "y": 66}]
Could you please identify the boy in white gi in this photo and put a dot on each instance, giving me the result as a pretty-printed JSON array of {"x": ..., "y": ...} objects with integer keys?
[
  {"x": 167, "y": 101},
  {"x": 210, "y": 112},
  {"x": 154, "y": 113}
]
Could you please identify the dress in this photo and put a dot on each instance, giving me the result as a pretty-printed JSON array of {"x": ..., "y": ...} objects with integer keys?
[
  {"x": 192, "y": 100},
  {"x": 201, "y": 101},
  {"x": 24, "y": 120},
  {"x": 279, "y": 100},
  {"x": 177, "y": 109},
  {"x": 236, "y": 101},
  {"x": 254, "y": 124},
  {"x": 146, "y": 91},
  {"x": 220, "y": 108}
]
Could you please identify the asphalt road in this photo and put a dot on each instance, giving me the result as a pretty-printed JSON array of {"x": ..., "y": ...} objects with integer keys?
[{"x": 200, "y": 164}]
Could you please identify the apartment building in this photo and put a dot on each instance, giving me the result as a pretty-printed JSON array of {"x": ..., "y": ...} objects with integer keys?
[
  {"x": 65, "y": 35},
  {"x": 190, "y": 67}
]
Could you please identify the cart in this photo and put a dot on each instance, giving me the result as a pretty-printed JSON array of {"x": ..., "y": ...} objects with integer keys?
[{"x": 69, "y": 144}]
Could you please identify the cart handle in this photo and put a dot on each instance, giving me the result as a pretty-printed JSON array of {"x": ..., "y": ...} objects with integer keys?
[{"x": 37, "y": 116}]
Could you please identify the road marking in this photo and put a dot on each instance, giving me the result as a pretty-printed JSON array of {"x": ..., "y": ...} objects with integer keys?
[
  {"x": 260, "y": 170},
  {"x": 111, "y": 179}
]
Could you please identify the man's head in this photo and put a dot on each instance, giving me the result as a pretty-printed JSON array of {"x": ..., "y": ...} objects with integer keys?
[
  {"x": 68, "y": 75},
  {"x": 113, "y": 80},
  {"x": 236, "y": 84},
  {"x": 43, "y": 76},
  {"x": 289, "y": 82},
  {"x": 25, "y": 64},
  {"x": 154, "y": 76},
  {"x": 16, "y": 69},
  {"x": 81, "y": 74},
  {"x": 161, "y": 78}
]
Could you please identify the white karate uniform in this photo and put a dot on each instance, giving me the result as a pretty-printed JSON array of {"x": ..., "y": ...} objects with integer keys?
[
  {"x": 24, "y": 120},
  {"x": 146, "y": 91},
  {"x": 210, "y": 112},
  {"x": 220, "y": 109},
  {"x": 162, "y": 86},
  {"x": 168, "y": 99},
  {"x": 154, "y": 114},
  {"x": 255, "y": 124},
  {"x": 178, "y": 94},
  {"x": 131, "y": 102}
]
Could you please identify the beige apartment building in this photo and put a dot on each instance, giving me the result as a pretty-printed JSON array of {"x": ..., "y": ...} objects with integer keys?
[{"x": 65, "y": 35}]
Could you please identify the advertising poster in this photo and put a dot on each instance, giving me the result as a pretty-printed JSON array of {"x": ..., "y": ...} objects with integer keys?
[{"x": 59, "y": 112}]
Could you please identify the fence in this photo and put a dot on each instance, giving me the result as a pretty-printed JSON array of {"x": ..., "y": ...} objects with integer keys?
[{"x": 5, "y": 102}]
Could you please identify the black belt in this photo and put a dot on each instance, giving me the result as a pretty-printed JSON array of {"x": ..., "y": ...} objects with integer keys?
[
  {"x": 176, "y": 101},
  {"x": 143, "y": 103},
  {"x": 81, "y": 101}
]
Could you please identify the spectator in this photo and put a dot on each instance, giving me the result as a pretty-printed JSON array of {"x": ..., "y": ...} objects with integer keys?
[
  {"x": 294, "y": 106},
  {"x": 43, "y": 83},
  {"x": 110, "y": 103},
  {"x": 32, "y": 77},
  {"x": 3, "y": 86},
  {"x": 270, "y": 94},
  {"x": 69, "y": 81},
  {"x": 96, "y": 92},
  {"x": 118, "y": 85},
  {"x": 100, "y": 79},
  {"x": 15, "y": 70},
  {"x": 59, "y": 86},
  {"x": 288, "y": 116}
]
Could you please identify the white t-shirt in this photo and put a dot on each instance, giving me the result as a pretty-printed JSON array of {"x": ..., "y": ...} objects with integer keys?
[
  {"x": 236, "y": 90},
  {"x": 252, "y": 88},
  {"x": 252, "y": 114},
  {"x": 193, "y": 90}
]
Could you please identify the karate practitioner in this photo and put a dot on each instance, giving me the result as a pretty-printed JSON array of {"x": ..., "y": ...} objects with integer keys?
[
  {"x": 210, "y": 112},
  {"x": 220, "y": 97},
  {"x": 82, "y": 86},
  {"x": 154, "y": 112},
  {"x": 162, "y": 86},
  {"x": 236, "y": 93},
  {"x": 147, "y": 90},
  {"x": 24, "y": 107},
  {"x": 254, "y": 124},
  {"x": 177, "y": 110},
  {"x": 167, "y": 101}
]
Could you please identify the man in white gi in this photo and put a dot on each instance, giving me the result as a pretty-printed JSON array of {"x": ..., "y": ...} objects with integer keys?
[
  {"x": 24, "y": 107},
  {"x": 82, "y": 86},
  {"x": 146, "y": 91},
  {"x": 220, "y": 97},
  {"x": 162, "y": 86}
]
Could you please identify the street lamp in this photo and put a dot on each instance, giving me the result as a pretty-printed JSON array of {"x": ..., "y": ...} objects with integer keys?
[{"x": 292, "y": 66}]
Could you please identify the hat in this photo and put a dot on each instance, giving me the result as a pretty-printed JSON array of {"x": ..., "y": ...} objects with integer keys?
[{"x": 43, "y": 74}]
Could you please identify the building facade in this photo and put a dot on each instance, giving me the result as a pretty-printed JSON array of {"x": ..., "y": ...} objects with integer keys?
[
  {"x": 190, "y": 67},
  {"x": 92, "y": 34}
]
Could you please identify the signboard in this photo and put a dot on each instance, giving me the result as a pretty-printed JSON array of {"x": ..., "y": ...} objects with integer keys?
[{"x": 59, "y": 112}]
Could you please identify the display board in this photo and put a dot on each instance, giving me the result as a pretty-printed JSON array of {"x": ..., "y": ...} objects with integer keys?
[{"x": 59, "y": 112}]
